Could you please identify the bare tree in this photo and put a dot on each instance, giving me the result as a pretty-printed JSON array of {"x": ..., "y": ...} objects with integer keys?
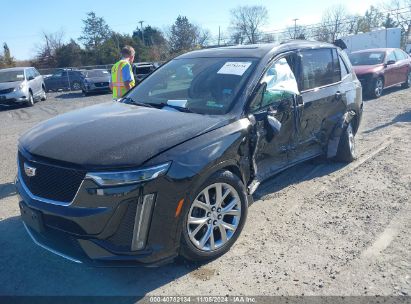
[
  {"x": 296, "y": 32},
  {"x": 247, "y": 21},
  {"x": 46, "y": 51},
  {"x": 334, "y": 24},
  {"x": 401, "y": 13}
]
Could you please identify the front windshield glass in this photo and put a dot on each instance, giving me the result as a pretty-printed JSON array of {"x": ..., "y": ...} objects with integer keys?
[
  {"x": 11, "y": 76},
  {"x": 367, "y": 58},
  {"x": 96, "y": 73},
  {"x": 201, "y": 85}
]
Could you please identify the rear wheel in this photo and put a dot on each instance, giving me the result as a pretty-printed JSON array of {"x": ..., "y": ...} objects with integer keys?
[
  {"x": 30, "y": 101},
  {"x": 407, "y": 83},
  {"x": 215, "y": 217},
  {"x": 377, "y": 87},
  {"x": 346, "y": 147}
]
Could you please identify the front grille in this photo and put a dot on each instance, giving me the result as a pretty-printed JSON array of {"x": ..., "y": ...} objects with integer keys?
[
  {"x": 6, "y": 91},
  {"x": 51, "y": 182},
  {"x": 101, "y": 84}
]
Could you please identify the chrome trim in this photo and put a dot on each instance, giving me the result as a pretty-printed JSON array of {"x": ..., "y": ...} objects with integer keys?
[
  {"x": 50, "y": 249},
  {"x": 41, "y": 199}
]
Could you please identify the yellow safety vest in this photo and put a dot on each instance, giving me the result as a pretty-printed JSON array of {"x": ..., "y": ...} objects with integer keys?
[{"x": 117, "y": 82}]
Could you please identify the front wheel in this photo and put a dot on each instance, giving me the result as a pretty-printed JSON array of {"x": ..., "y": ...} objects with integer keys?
[
  {"x": 346, "y": 147},
  {"x": 215, "y": 217},
  {"x": 30, "y": 101},
  {"x": 407, "y": 83},
  {"x": 76, "y": 86},
  {"x": 43, "y": 94}
]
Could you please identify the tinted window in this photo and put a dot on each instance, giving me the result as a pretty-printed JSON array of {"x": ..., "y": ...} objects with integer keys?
[
  {"x": 344, "y": 69},
  {"x": 391, "y": 57},
  {"x": 206, "y": 86},
  {"x": 367, "y": 58},
  {"x": 318, "y": 68},
  {"x": 96, "y": 73},
  {"x": 400, "y": 55}
]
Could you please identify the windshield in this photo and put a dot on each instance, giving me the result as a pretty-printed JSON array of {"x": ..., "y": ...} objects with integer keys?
[
  {"x": 11, "y": 76},
  {"x": 367, "y": 58},
  {"x": 96, "y": 73},
  {"x": 202, "y": 85}
]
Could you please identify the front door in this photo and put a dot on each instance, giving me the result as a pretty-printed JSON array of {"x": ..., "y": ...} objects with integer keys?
[
  {"x": 271, "y": 147},
  {"x": 392, "y": 70}
]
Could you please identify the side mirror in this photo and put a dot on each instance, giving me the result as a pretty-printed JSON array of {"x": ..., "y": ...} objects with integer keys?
[
  {"x": 390, "y": 62},
  {"x": 30, "y": 78}
]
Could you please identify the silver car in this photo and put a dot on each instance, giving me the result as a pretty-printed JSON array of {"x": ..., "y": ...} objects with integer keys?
[{"x": 21, "y": 86}]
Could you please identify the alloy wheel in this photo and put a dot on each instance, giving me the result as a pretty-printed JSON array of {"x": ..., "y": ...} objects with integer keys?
[
  {"x": 214, "y": 217},
  {"x": 76, "y": 86},
  {"x": 351, "y": 139},
  {"x": 379, "y": 85}
]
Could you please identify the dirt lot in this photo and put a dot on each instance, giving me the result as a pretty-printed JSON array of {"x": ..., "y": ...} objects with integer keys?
[{"x": 320, "y": 228}]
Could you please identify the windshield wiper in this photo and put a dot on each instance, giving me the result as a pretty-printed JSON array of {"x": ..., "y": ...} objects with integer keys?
[
  {"x": 164, "y": 104},
  {"x": 129, "y": 100}
]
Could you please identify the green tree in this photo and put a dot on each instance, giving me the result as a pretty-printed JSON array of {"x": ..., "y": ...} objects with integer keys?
[
  {"x": 152, "y": 36},
  {"x": 95, "y": 31},
  {"x": 183, "y": 35},
  {"x": 371, "y": 19},
  {"x": 69, "y": 55},
  {"x": 8, "y": 60},
  {"x": 389, "y": 22}
]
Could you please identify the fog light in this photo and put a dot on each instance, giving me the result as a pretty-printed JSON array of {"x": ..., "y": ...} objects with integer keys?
[{"x": 142, "y": 222}]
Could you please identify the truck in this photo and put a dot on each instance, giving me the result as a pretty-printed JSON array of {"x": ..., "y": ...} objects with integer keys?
[{"x": 377, "y": 38}]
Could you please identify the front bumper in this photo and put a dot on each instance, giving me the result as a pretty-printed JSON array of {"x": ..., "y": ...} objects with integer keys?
[
  {"x": 100, "y": 223},
  {"x": 13, "y": 98}
]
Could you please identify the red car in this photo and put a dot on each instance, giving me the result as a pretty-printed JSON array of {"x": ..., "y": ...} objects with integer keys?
[{"x": 378, "y": 69}]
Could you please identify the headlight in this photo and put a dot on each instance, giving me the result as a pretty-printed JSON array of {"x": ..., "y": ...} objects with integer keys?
[
  {"x": 20, "y": 87},
  {"x": 128, "y": 177}
]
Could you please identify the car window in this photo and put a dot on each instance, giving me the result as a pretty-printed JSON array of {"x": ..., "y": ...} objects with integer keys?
[
  {"x": 36, "y": 73},
  {"x": 391, "y": 57},
  {"x": 202, "y": 85},
  {"x": 33, "y": 73},
  {"x": 281, "y": 85},
  {"x": 317, "y": 68},
  {"x": 58, "y": 74},
  {"x": 399, "y": 54},
  {"x": 336, "y": 66},
  {"x": 29, "y": 73},
  {"x": 344, "y": 69}
]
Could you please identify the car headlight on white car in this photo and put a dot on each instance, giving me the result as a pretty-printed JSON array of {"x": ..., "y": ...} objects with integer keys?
[
  {"x": 20, "y": 87},
  {"x": 128, "y": 177}
]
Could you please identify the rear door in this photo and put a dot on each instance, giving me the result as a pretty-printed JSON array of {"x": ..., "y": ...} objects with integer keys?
[
  {"x": 323, "y": 99},
  {"x": 403, "y": 66}
]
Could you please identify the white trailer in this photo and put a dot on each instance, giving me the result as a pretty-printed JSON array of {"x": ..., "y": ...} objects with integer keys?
[{"x": 379, "y": 38}]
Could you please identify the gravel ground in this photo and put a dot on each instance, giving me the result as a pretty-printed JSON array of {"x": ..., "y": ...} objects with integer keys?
[{"x": 319, "y": 228}]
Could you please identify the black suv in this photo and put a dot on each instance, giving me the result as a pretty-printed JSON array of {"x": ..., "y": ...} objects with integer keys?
[
  {"x": 171, "y": 168},
  {"x": 64, "y": 79}
]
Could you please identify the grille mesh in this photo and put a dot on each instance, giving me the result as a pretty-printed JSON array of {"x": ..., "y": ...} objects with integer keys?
[{"x": 52, "y": 182}]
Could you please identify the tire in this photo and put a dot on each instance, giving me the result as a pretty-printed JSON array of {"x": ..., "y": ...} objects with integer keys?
[
  {"x": 44, "y": 94},
  {"x": 85, "y": 93},
  {"x": 346, "y": 147},
  {"x": 377, "y": 87},
  {"x": 76, "y": 86},
  {"x": 222, "y": 230},
  {"x": 407, "y": 83},
  {"x": 30, "y": 102}
]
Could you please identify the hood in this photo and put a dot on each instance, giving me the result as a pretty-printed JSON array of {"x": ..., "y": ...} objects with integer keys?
[
  {"x": 114, "y": 135},
  {"x": 9, "y": 85},
  {"x": 98, "y": 79},
  {"x": 368, "y": 69}
]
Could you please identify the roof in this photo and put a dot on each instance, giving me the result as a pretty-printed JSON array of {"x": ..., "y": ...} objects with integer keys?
[
  {"x": 15, "y": 69},
  {"x": 374, "y": 50},
  {"x": 254, "y": 50}
]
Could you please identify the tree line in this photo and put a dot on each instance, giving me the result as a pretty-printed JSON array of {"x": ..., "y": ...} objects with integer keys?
[{"x": 100, "y": 45}]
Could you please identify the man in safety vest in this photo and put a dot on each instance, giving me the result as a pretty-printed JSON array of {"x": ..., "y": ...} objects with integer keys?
[{"x": 122, "y": 78}]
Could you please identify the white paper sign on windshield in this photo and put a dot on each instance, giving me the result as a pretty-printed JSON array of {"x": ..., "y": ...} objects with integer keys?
[{"x": 234, "y": 68}]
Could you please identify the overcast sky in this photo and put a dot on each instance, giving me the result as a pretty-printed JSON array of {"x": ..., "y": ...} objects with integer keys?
[{"x": 22, "y": 25}]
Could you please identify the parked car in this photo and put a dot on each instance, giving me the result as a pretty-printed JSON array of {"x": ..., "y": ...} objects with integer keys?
[
  {"x": 96, "y": 80},
  {"x": 21, "y": 86},
  {"x": 142, "y": 69},
  {"x": 171, "y": 168},
  {"x": 378, "y": 69},
  {"x": 64, "y": 79}
]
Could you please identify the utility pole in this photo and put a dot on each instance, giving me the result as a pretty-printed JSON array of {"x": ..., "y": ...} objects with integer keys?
[
  {"x": 142, "y": 30},
  {"x": 219, "y": 35},
  {"x": 295, "y": 27}
]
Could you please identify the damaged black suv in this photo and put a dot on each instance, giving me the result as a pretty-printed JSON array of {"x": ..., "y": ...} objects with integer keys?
[{"x": 170, "y": 169}]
